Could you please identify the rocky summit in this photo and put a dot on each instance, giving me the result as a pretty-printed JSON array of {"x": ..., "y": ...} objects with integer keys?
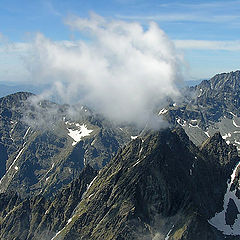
[
  {"x": 210, "y": 107},
  {"x": 69, "y": 173}
]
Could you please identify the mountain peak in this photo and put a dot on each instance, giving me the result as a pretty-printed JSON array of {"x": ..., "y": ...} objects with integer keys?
[{"x": 226, "y": 81}]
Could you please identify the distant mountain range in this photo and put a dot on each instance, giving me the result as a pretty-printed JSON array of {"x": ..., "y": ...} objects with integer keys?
[
  {"x": 65, "y": 176},
  {"x": 7, "y": 89}
]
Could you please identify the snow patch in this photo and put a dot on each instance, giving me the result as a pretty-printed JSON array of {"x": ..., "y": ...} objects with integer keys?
[
  {"x": 207, "y": 134},
  {"x": 200, "y": 92},
  {"x": 46, "y": 211},
  {"x": 194, "y": 126},
  {"x": 163, "y": 111},
  {"x": 168, "y": 235},
  {"x": 44, "y": 177},
  {"x": 79, "y": 133},
  {"x": 88, "y": 186},
  {"x": 138, "y": 161},
  {"x": 26, "y": 133},
  {"x": 19, "y": 154},
  {"x": 237, "y": 142},
  {"x": 14, "y": 161},
  {"x": 181, "y": 122},
  {"x": 140, "y": 151},
  {"x": 226, "y": 135},
  {"x": 93, "y": 142},
  {"x": 134, "y": 137},
  {"x": 219, "y": 221},
  {"x": 234, "y": 123},
  {"x": 233, "y": 114},
  {"x": 56, "y": 234},
  {"x": 13, "y": 127},
  {"x": 69, "y": 220},
  {"x": 90, "y": 195}
]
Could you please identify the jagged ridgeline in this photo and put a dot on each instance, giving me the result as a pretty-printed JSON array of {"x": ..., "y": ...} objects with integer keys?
[
  {"x": 147, "y": 191},
  {"x": 211, "y": 106},
  {"x": 68, "y": 173}
]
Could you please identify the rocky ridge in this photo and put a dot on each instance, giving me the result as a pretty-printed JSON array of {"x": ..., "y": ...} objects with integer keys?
[
  {"x": 147, "y": 191},
  {"x": 210, "y": 107}
]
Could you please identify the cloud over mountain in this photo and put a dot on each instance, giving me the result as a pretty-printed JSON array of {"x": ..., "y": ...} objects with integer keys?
[{"x": 120, "y": 68}]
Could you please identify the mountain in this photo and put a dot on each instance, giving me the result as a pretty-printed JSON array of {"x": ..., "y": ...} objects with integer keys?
[
  {"x": 42, "y": 148},
  {"x": 211, "y": 106},
  {"x": 69, "y": 173},
  {"x": 147, "y": 191}
]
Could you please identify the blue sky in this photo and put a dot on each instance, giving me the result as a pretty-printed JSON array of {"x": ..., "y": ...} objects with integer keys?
[{"x": 206, "y": 32}]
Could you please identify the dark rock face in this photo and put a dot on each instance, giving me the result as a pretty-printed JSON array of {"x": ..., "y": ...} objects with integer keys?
[
  {"x": 157, "y": 186},
  {"x": 149, "y": 187},
  {"x": 3, "y": 159},
  {"x": 37, "y": 217},
  {"x": 232, "y": 212}
]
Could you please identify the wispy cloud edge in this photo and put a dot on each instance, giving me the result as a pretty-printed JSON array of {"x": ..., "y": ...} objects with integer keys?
[{"x": 208, "y": 45}]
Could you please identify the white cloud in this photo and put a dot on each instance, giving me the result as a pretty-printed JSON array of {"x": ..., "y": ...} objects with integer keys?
[
  {"x": 121, "y": 70},
  {"x": 208, "y": 45}
]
